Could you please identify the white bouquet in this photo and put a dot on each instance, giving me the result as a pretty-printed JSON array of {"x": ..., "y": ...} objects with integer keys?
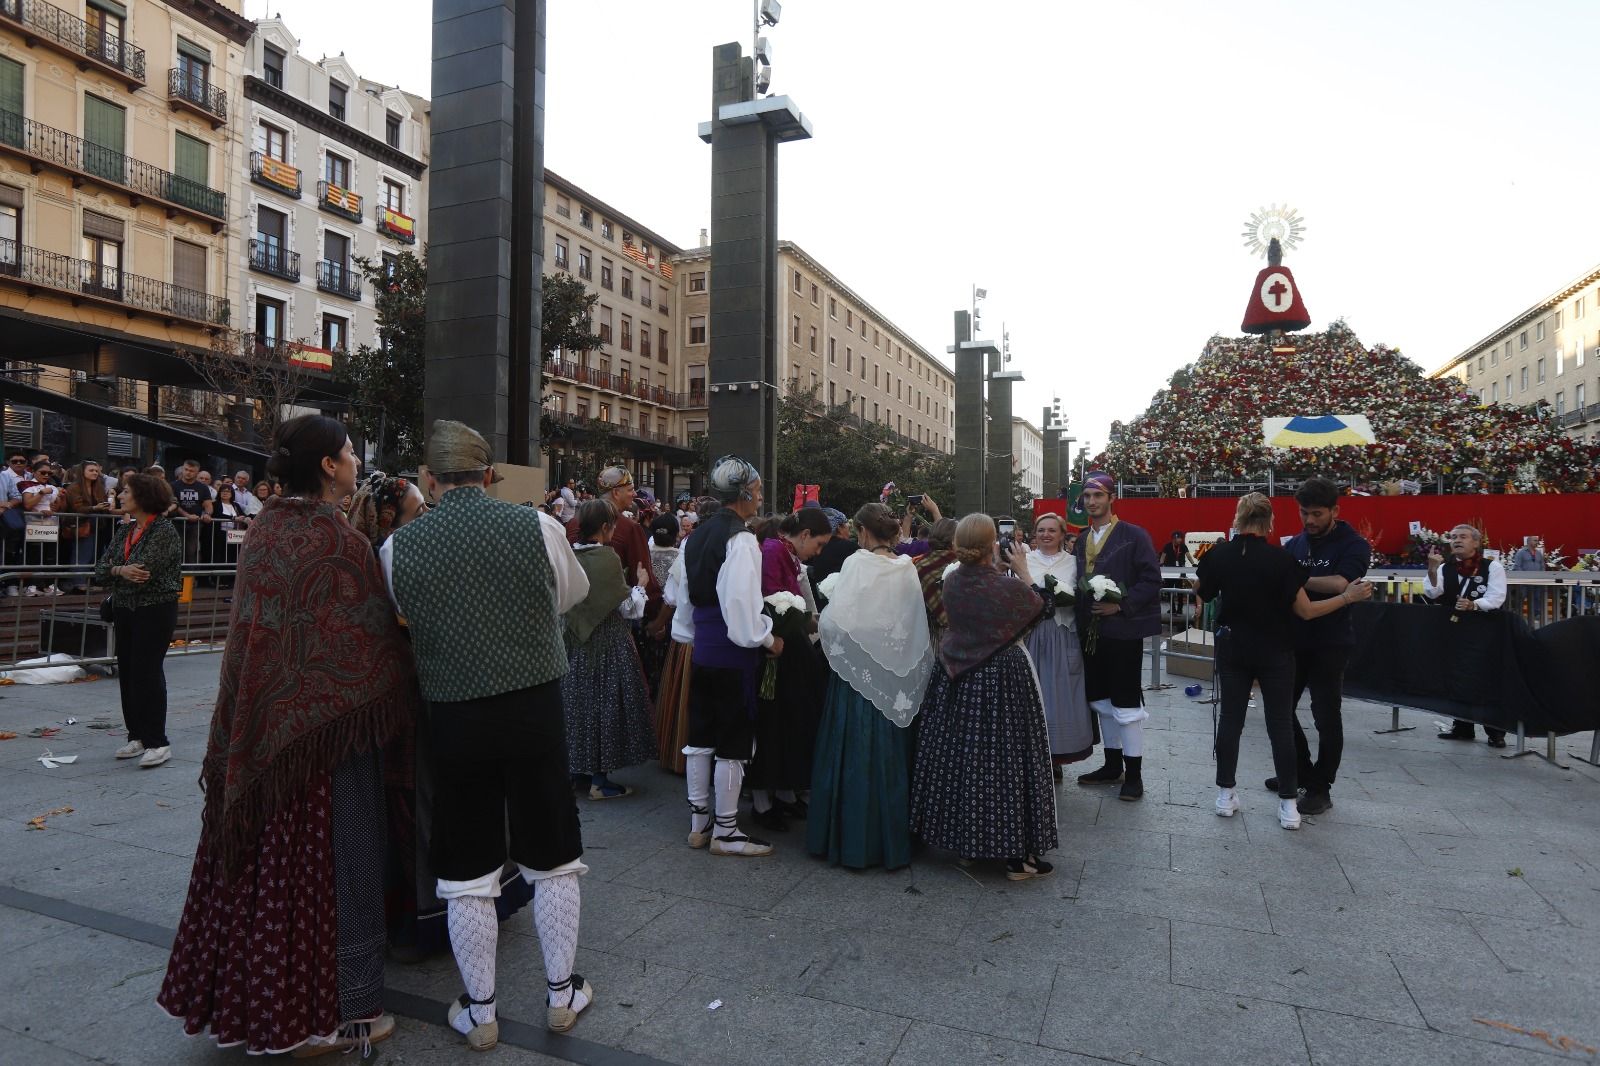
[
  {"x": 784, "y": 602},
  {"x": 788, "y": 613},
  {"x": 828, "y": 584},
  {"x": 1100, "y": 589}
]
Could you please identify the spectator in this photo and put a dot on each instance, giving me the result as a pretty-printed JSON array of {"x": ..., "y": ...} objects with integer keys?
[
  {"x": 1176, "y": 552},
  {"x": 85, "y": 505},
  {"x": 248, "y": 504},
  {"x": 566, "y": 503},
  {"x": 1530, "y": 556},
  {"x": 11, "y": 508},
  {"x": 1466, "y": 582},
  {"x": 39, "y": 492},
  {"x": 229, "y": 516},
  {"x": 263, "y": 493},
  {"x": 144, "y": 568},
  {"x": 204, "y": 477},
  {"x": 194, "y": 500}
]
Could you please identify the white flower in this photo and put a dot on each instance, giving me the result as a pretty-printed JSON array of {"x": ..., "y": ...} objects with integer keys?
[
  {"x": 952, "y": 568},
  {"x": 1102, "y": 586},
  {"x": 828, "y": 584},
  {"x": 782, "y": 602}
]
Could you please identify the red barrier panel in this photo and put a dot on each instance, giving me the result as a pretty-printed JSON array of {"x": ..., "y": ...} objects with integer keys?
[{"x": 1569, "y": 522}]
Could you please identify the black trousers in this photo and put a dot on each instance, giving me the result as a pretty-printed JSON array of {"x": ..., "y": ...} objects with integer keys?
[
  {"x": 1242, "y": 660},
  {"x": 143, "y": 636},
  {"x": 1321, "y": 669}
]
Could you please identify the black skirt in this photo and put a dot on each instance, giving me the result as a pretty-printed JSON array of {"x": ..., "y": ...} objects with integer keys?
[{"x": 786, "y": 727}]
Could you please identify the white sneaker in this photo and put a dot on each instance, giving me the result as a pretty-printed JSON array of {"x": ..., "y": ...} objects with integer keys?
[
  {"x": 131, "y": 750},
  {"x": 31, "y": 590},
  {"x": 55, "y": 590},
  {"x": 1288, "y": 813},
  {"x": 156, "y": 756},
  {"x": 1227, "y": 802}
]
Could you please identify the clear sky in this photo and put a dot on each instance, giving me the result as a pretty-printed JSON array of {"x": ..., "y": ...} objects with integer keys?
[{"x": 1092, "y": 164}]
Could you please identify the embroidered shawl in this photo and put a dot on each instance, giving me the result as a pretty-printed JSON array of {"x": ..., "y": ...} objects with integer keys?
[
  {"x": 316, "y": 670},
  {"x": 930, "y": 571},
  {"x": 989, "y": 611}
]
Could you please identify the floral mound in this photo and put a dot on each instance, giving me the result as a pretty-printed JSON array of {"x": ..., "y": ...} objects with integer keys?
[{"x": 1207, "y": 423}]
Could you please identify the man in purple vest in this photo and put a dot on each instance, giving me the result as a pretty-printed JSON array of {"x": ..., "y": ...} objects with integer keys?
[{"x": 1122, "y": 552}]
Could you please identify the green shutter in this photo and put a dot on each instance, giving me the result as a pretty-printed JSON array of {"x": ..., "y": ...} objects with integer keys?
[
  {"x": 194, "y": 51},
  {"x": 103, "y": 126},
  {"x": 190, "y": 159},
  {"x": 111, "y": 7},
  {"x": 10, "y": 102}
]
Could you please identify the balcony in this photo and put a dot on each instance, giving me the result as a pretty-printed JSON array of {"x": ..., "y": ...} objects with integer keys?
[
  {"x": 46, "y": 24},
  {"x": 85, "y": 281},
  {"x": 342, "y": 202},
  {"x": 338, "y": 279},
  {"x": 270, "y": 257},
  {"x": 186, "y": 90},
  {"x": 616, "y": 429},
  {"x": 274, "y": 174},
  {"x": 392, "y": 223},
  {"x": 86, "y": 161},
  {"x": 617, "y": 383}
]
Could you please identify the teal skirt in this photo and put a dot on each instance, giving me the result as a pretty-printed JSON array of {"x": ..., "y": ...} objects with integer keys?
[{"x": 860, "y": 786}]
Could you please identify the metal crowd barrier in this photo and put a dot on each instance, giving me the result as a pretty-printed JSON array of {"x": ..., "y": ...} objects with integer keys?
[
  {"x": 49, "y": 606},
  {"x": 1541, "y": 597}
]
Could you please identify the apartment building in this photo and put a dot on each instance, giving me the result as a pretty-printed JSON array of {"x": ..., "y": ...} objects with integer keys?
[
  {"x": 631, "y": 383},
  {"x": 1547, "y": 354},
  {"x": 335, "y": 171},
  {"x": 833, "y": 345},
  {"x": 118, "y": 135},
  {"x": 1027, "y": 454}
]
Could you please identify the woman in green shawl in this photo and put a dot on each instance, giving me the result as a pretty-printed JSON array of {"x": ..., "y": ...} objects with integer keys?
[{"x": 605, "y": 695}]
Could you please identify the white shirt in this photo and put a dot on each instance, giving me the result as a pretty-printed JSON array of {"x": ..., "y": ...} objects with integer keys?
[
  {"x": 1064, "y": 568},
  {"x": 8, "y": 486},
  {"x": 739, "y": 593},
  {"x": 1493, "y": 597},
  {"x": 246, "y": 501},
  {"x": 568, "y": 581},
  {"x": 631, "y": 608},
  {"x": 676, "y": 595}
]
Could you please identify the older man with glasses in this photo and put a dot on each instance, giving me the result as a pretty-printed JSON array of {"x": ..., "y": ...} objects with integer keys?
[{"x": 1466, "y": 583}]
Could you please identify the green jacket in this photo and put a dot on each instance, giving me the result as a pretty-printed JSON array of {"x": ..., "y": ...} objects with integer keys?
[{"x": 159, "y": 550}]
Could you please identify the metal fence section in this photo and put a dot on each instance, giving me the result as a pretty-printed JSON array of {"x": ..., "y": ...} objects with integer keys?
[{"x": 49, "y": 606}]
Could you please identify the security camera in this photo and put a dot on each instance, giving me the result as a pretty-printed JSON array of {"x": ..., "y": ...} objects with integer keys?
[{"x": 771, "y": 11}]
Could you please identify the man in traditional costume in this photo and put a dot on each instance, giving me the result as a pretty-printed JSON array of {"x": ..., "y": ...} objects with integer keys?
[
  {"x": 629, "y": 540},
  {"x": 482, "y": 584},
  {"x": 722, "y": 563},
  {"x": 1122, "y": 552},
  {"x": 1466, "y": 582}
]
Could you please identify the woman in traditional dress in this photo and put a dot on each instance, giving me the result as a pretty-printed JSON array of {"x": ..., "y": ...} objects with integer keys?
[
  {"x": 604, "y": 691},
  {"x": 654, "y": 640},
  {"x": 1053, "y": 647},
  {"x": 930, "y": 572},
  {"x": 676, "y": 620},
  {"x": 875, "y": 634},
  {"x": 982, "y": 785},
  {"x": 786, "y": 727},
  {"x": 281, "y": 942}
]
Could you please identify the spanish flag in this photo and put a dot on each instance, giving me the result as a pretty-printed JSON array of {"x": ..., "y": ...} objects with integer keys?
[
  {"x": 1317, "y": 431},
  {"x": 311, "y": 358}
]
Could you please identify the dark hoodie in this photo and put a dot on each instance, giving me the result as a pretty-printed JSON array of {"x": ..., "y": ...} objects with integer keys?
[{"x": 1340, "y": 551}]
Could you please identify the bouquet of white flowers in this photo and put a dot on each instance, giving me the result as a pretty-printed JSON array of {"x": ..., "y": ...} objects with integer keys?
[
  {"x": 788, "y": 613},
  {"x": 1100, "y": 589},
  {"x": 828, "y": 584}
]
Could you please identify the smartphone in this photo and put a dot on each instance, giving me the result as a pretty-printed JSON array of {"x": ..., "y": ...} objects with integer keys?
[
  {"x": 1007, "y": 527},
  {"x": 914, "y": 501}
]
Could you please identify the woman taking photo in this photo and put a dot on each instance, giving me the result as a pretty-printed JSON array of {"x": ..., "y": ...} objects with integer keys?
[
  {"x": 288, "y": 874},
  {"x": 1053, "y": 646},
  {"x": 87, "y": 503},
  {"x": 1262, "y": 588},
  {"x": 875, "y": 634},
  {"x": 982, "y": 787},
  {"x": 143, "y": 564}
]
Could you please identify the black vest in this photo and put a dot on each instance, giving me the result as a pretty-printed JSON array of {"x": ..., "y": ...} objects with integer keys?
[
  {"x": 1475, "y": 586},
  {"x": 704, "y": 552}
]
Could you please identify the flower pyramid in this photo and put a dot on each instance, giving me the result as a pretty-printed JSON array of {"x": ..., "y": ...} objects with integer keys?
[{"x": 1207, "y": 422}]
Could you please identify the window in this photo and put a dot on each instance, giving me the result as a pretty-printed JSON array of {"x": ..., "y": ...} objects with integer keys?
[
  {"x": 605, "y": 324},
  {"x": 272, "y": 66},
  {"x": 335, "y": 333},
  {"x": 644, "y": 295},
  {"x": 606, "y": 269},
  {"x": 586, "y": 267},
  {"x": 104, "y": 127},
  {"x": 1481, "y": 398},
  {"x": 391, "y": 264},
  {"x": 833, "y": 354},
  {"x": 644, "y": 340},
  {"x": 336, "y": 99},
  {"x": 661, "y": 348},
  {"x": 1480, "y": 364},
  {"x": 813, "y": 381},
  {"x": 1561, "y": 403},
  {"x": 191, "y": 160},
  {"x": 863, "y": 368},
  {"x": 1540, "y": 369},
  {"x": 394, "y": 196},
  {"x": 794, "y": 331},
  {"x": 874, "y": 377},
  {"x": 102, "y": 254},
  {"x": 1538, "y": 331},
  {"x": 697, "y": 329},
  {"x": 1577, "y": 397},
  {"x": 816, "y": 295},
  {"x": 561, "y": 253},
  {"x": 10, "y": 229},
  {"x": 583, "y": 409},
  {"x": 1524, "y": 381},
  {"x": 585, "y": 217},
  {"x": 799, "y": 282},
  {"x": 337, "y": 170},
  {"x": 194, "y": 71},
  {"x": 875, "y": 414},
  {"x": 833, "y": 307},
  {"x": 1577, "y": 352},
  {"x": 849, "y": 319},
  {"x": 697, "y": 280},
  {"x": 627, "y": 367},
  {"x": 813, "y": 344},
  {"x": 1508, "y": 386},
  {"x": 605, "y": 411},
  {"x": 189, "y": 272},
  {"x": 1577, "y": 307},
  {"x": 874, "y": 336},
  {"x": 274, "y": 143},
  {"x": 607, "y": 232},
  {"x": 627, "y": 333},
  {"x": 849, "y": 354},
  {"x": 863, "y": 328},
  {"x": 627, "y": 284},
  {"x": 11, "y": 100},
  {"x": 269, "y": 321},
  {"x": 391, "y": 129},
  {"x": 563, "y": 206},
  {"x": 697, "y": 385},
  {"x": 104, "y": 35},
  {"x": 1494, "y": 392}
]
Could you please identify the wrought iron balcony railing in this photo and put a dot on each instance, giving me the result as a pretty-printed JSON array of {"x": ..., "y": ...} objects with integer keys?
[
  {"x": 94, "y": 281},
  {"x": 275, "y": 174},
  {"x": 270, "y": 257},
  {"x": 65, "y": 32},
  {"x": 618, "y": 383},
  {"x": 331, "y": 197},
  {"x": 338, "y": 279},
  {"x": 193, "y": 91},
  {"x": 392, "y": 223},
  {"x": 77, "y": 156}
]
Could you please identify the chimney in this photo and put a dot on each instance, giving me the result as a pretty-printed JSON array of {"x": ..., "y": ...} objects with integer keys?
[{"x": 705, "y": 240}]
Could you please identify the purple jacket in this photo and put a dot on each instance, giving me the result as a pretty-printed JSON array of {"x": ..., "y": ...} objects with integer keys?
[{"x": 1128, "y": 558}]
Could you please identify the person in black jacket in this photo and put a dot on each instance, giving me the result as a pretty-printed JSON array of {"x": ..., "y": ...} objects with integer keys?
[{"x": 1262, "y": 590}]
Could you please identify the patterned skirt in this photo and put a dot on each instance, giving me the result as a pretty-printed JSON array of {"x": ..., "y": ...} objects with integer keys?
[
  {"x": 1058, "y": 661},
  {"x": 293, "y": 946},
  {"x": 672, "y": 708},
  {"x": 606, "y": 702},
  {"x": 982, "y": 786},
  {"x": 860, "y": 784}
]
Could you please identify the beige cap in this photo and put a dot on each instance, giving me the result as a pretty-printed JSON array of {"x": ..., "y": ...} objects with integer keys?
[{"x": 455, "y": 447}]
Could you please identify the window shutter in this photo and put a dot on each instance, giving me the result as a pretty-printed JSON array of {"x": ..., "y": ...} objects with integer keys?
[
  {"x": 189, "y": 266},
  {"x": 191, "y": 158},
  {"x": 10, "y": 86},
  {"x": 103, "y": 226},
  {"x": 103, "y": 123},
  {"x": 111, "y": 7},
  {"x": 194, "y": 51}
]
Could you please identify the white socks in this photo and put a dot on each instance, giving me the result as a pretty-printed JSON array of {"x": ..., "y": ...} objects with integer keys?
[
  {"x": 555, "y": 915},
  {"x": 697, "y": 765},
  {"x": 729, "y": 779},
  {"x": 474, "y": 934}
]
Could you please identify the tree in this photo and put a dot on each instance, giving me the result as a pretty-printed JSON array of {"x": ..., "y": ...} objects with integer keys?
[
  {"x": 234, "y": 365},
  {"x": 387, "y": 380},
  {"x": 566, "y": 326},
  {"x": 851, "y": 458}
]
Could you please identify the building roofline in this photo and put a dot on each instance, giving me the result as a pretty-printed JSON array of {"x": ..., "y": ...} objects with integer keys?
[
  {"x": 232, "y": 25},
  {"x": 1582, "y": 281},
  {"x": 324, "y": 123},
  {"x": 612, "y": 213},
  {"x": 810, "y": 260}
]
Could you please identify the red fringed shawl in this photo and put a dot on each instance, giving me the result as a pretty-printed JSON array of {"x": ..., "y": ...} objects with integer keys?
[
  {"x": 316, "y": 669},
  {"x": 989, "y": 611}
]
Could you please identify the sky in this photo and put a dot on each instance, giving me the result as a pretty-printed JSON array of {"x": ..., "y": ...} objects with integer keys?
[{"x": 1092, "y": 165}]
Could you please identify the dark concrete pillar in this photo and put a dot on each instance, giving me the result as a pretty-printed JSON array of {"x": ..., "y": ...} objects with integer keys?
[
  {"x": 997, "y": 485},
  {"x": 971, "y": 470},
  {"x": 486, "y": 195},
  {"x": 1052, "y": 456}
]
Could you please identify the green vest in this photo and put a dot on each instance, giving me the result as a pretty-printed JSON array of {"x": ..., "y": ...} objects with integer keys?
[{"x": 477, "y": 591}]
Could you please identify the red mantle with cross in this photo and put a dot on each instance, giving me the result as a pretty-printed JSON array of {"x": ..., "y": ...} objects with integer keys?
[{"x": 1275, "y": 303}]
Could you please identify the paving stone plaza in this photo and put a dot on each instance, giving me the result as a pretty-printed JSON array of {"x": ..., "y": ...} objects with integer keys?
[{"x": 1446, "y": 910}]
